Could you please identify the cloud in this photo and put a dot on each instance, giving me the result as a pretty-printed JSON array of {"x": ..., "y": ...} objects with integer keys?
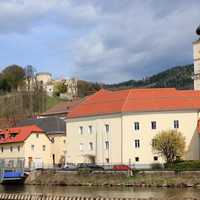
[
  {"x": 137, "y": 40},
  {"x": 100, "y": 40}
]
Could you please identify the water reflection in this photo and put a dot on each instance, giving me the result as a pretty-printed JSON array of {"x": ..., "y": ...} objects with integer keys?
[{"x": 161, "y": 193}]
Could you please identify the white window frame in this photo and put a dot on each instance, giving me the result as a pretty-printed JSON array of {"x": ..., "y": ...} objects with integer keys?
[
  {"x": 137, "y": 144},
  {"x": 107, "y": 145},
  {"x": 81, "y": 130},
  {"x": 43, "y": 147},
  {"x": 91, "y": 147},
  {"x": 152, "y": 125},
  {"x": 176, "y": 124},
  {"x": 138, "y": 159},
  {"x": 32, "y": 147},
  {"x": 107, "y": 128},
  {"x": 136, "y": 126},
  {"x": 90, "y": 129}
]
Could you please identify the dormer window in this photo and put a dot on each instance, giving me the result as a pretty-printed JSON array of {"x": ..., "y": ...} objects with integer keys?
[
  {"x": 13, "y": 135},
  {"x": 2, "y": 136}
]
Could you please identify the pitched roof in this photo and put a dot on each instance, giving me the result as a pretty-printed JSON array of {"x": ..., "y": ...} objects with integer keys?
[
  {"x": 50, "y": 125},
  {"x": 22, "y": 133},
  {"x": 62, "y": 107},
  {"x": 136, "y": 100}
]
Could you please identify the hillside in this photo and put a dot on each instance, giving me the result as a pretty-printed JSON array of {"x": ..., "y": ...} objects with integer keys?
[{"x": 179, "y": 77}]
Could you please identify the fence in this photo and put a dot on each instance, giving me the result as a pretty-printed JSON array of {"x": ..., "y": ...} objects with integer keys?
[{"x": 6, "y": 196}]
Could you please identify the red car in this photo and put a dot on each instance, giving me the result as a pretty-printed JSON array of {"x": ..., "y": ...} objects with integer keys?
[{"x": 121, "y": 168}]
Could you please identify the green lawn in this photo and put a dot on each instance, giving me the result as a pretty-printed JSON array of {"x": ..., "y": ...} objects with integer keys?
[{"x": 51, "y": 101}]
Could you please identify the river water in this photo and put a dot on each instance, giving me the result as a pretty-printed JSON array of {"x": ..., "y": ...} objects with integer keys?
[{"x": 159, "y": 193}]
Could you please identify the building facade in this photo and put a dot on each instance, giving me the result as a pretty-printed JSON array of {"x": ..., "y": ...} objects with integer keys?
[
  {"x": 28, "y": 142},
  {"x": 55, "y": 129},
  {"x": 118, "y": 127}
]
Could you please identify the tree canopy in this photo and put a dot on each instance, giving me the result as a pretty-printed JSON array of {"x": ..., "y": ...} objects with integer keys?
[
  {"x": 169, "y": 144},
  {"x": 12, "y": 77}
]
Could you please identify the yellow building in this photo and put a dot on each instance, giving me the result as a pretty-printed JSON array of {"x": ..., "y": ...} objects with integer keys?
[
  {"x": 118, "y": 126},
  {"x": 28, "y": 142},
  {"x": 55, "y": 129}
]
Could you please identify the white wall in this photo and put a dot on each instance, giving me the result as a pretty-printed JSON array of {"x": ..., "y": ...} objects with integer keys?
[{"x": 122, "y": 136}]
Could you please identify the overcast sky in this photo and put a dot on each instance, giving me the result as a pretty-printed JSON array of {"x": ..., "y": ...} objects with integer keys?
[{"x": 98, "y": 40}]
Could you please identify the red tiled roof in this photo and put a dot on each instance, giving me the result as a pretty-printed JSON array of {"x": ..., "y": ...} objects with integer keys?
[
  {"x": 136, "y": 100},
  {"x": 22, "y": 133}
]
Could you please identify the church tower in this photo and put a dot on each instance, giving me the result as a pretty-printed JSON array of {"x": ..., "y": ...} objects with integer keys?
[{"x": 196, "y": 50}]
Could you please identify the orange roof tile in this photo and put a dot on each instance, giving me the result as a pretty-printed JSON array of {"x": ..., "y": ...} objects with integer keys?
[
  {"x": 22, "y": 133},
  {"x": 136, "y": 100}
]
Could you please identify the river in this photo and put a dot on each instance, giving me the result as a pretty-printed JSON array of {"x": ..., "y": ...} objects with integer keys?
[{"x": 160, "y": 193}]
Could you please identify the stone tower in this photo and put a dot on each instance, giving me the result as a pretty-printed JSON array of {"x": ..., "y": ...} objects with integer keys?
[{"x": 196, "y": 49}]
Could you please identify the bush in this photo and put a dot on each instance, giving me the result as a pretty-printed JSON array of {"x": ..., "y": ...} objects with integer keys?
[{"x": 187, "y": 165}]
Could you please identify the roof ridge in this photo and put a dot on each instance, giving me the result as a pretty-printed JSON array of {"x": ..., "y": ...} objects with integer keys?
[{"x": 126, "y": 100}]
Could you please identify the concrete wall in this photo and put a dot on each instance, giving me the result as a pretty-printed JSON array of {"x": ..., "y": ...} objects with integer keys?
[{"x": 122, "y": 136}]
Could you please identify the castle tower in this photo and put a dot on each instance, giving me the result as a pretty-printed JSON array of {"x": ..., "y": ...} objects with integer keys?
[{"x": 196, "y": 50}]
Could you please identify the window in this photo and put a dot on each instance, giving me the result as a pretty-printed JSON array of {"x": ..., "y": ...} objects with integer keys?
[
  {"x": 155, "y": 158},
  {"x": 81, "y": 130},
  {"x": 136, "y": 126},
  {"x": 18, "y": 148},
  {"x": 81, "y": 146},
  {"x": 107, "y": 144},
  {"x": 137, "y": 143},
  {"x": 154, "y": 142},
  {"x": 13, "y": 135},
  {"x": 2, "y": 136},
  {"x": 43, "y": 147},
  {"x": 32, "y": 147},
  {"x": 64, "y": 141},
  {"x": 11, "y": 149},
  {"x": 2, "y": 149},
  {"x": 91, "y": 146},
  {"x": 153, "y": 125},
  {"x": 107, "y": 128},
  {"x": 90, "y": 129},
  {"x": 137, "y": 159},
  {"x": 176, "y": 124},
  {"x": 37, "y": 135},
  {"x": 107, "y": 160}
]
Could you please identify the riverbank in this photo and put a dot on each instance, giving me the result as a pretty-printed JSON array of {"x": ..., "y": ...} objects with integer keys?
[{"x": 140, "y": 179}]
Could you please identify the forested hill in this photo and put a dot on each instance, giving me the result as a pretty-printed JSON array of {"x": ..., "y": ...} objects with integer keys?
[{"x": 179, "y": 77}]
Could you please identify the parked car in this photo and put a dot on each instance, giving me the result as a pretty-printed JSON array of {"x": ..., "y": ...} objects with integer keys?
[
  {"x": 69, "y": 167},
  {"x": 121, "y": 168},
  {"x": 90, "y": 166}
]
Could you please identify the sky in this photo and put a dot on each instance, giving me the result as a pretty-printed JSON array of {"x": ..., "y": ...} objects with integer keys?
[{"x": 105, "y": 41}]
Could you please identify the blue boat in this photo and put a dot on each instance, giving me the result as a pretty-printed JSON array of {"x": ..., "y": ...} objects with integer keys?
[{"x": 12, "y": 171}]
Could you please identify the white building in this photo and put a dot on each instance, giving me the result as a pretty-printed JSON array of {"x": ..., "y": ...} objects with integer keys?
[{"x": 118, "y": 126}]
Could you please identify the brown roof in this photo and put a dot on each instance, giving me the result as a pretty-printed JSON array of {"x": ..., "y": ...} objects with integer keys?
[{"x": 62, "y": 107}]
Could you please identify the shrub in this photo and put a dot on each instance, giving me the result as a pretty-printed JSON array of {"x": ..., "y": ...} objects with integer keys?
[{"x": 187, "y": 165}]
